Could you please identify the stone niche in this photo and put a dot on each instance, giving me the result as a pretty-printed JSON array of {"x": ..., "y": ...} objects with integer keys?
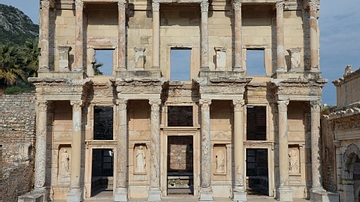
[
  {"x": 220, "y": 162},
  {"x": 64, "y": 164}
]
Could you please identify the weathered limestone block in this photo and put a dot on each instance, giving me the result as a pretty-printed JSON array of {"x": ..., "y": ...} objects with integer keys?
[{"x": 64, "y": 65}]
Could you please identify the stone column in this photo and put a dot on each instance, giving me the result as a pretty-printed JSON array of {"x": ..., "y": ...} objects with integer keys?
[
  {"x": 74, "y": 194},
  {"x": 315, "y": 146},
  {"x": 79, "y": 35},
  {"x": 280, "y": 37},
  {"x": 205, "y": 191},
  {"x": 238, "y": 37},
  {"x": 285, "y": 192},
  {"x": 154, "y": 191},
  {"x": 122, "y": 153},
  {"x": 40, "y": 158},
  {"x": 314, "y": 37},
  {"x": 239, "y": 188},
  {"x": 122, "y": 36},
  {"x": 156, "y": 35},
  {"x": 44, "y": 65},
  {"x": 204, "y": 37}
]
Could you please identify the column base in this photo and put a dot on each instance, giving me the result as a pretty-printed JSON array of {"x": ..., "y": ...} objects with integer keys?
[
  {"x": 239, "y": 195},
  {"x": 206, "y": 194},
  {"x": 120, "y": 195},
  {"x": 321, "y": 195},
  {"x": 154, "y": 194},
  {"x": 204, "y": 69},
  {"x": 238, "y": 69},
  {"x": 285, "y": 194},
  {"x": 37, "y": 195},
  {"x": 74, "y": 195}
]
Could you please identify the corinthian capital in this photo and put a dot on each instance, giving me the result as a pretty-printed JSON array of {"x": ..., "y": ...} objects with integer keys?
[
  {"x": 237, "y": 6},
  {"x": 282, "y": 104},
  {"x": 156, "y": 6},
  {"x": 315, "y": 105},
  {"x": 121, "y": 5},
  {"x": 280, "y": 6},
  {"x": 205, "y": 104},
  {"x": 204, "y": 6},
  {"x": 45, "y": 4},
  {"x": 42, "y": 105},
  {"x": 238, "y": 104}
]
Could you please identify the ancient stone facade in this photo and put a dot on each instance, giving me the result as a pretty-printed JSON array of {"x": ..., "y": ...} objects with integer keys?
[
  {"x": 17, "y": 141},
  {"x": 341, "y": 139},
  {"x": 224, "y": 146}
]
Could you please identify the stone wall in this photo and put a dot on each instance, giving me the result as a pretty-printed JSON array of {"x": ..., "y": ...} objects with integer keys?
[{"x": 17, "y": 136}]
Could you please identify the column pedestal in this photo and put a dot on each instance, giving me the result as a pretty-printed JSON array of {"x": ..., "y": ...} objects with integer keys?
[
  {"x": 120, "y": 194},
  {"x": 74, "y": 195},
  {"x": 206, "y": 194},
  {"x": 154, "y": 194},
  {"x": 285, "y": 194}
]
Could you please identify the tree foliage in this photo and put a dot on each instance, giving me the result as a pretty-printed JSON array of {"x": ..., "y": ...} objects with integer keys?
[{"x": 17, "y": 63}]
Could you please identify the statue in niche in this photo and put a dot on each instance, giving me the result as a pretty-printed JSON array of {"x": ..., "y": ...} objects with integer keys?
[
  {"x": 64, "y": 164},
  {"x": 140, "y": 160},
  {"x": 293, "y": 161},
  {"x": 220, "y": 162}
]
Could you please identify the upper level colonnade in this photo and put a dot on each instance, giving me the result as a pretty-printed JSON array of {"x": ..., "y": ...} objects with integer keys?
[{"x": 80, "y": 28}]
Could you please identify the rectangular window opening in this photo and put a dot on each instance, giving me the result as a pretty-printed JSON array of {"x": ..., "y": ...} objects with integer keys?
[
  {"x": 180, "y": 64},
  {"x": 180, "y": 116},
  {"x": 104, "y": 63},
  {"x": 255, "y": 62},
  {"x": 256, "y": 123},
  {"x": 103, "y": 123}
]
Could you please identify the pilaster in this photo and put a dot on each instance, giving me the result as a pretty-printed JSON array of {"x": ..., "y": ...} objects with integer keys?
[
  {"x": 205, "y": 190},
  {"x": 156, "y": 35},
  {"x": 239, "y": 188},
  {"x": 285, "y": 192},
  {"x": 155, "y": 191},
  {"x": 79, "y": 35},
  {"x": 204, "y": 59},
  {"x": 74, "y": 194},
  {"x": 238, "y": 37},
  {"x": 40, "y": 155},
  {"x": 314, "y": 38},
  {"x": 122, "y": 152},
  {"x": 280, "y": 37},
  {"x": 44, "y": 65},
  {"x": 122, "y": 36}
]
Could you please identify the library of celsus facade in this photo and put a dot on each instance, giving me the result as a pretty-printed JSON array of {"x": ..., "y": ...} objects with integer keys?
[{"x": 238, "y": 113}]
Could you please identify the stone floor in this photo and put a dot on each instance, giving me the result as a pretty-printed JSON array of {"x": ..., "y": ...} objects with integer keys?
[{"x": 107, "y": 196}]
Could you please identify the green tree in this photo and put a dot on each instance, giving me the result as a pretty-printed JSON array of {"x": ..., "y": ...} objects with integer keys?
[
  {"x": 96, "y": 67},
  {"x": 10, "y": 65},
  {"x": 29, "y": 56}
]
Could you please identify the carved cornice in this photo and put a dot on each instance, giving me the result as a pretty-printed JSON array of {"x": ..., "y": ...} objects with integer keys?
[
  {"x": 347, "y": 77},
  {"x": 133, "y": 86},
  {"x": 303, "y": 87}
]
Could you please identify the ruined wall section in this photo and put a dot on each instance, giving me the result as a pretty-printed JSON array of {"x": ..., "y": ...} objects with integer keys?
[
  {"x": 17, "y": 126},
  {"x": 348, "y": 88}
]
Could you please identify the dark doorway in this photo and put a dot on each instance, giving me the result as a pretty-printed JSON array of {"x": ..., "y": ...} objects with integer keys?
[
  {"x": 102, "y": 171},
  {"x": 180, "y": 177},
  {"x": 257, "y": 171}
]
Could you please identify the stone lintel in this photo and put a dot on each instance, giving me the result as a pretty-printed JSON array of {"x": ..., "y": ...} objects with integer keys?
[
  {"x": 222, "y": 74},
  {"x": 139, "y": 74},
  {"x": 68, "y": 75}
]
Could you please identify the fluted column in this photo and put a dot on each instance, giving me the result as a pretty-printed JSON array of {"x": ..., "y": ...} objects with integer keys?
[
  {"x": 315, "y": 146},
  {"x": 156, "y": 35},
  {"x": 154, "y": 191},
  {"x": 79, "y": 35},
  {"x": 122, "y": 152},
  {"x": 239, "y": 188},
  {"x": 122, "y": 36},
  {"x": 40, "y": 155},
  {"x": 314, "y": 37},
  {"x": 238, "y": 36},
  {"x": 204, "y": 36},
  {"x": 205, "y": 191},
  {"x": 285, "y": 192},
  {"x": 74, "y": 194},
  {"x": 280, "y": 37},
  {"x": 44, "y": 65}
]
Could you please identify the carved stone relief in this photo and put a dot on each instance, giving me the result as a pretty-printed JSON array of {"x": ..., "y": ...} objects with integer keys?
[
  {"x": 294, "y": 162},
  {"x": 220, "y": 159},
  {"x": 64, "y": 164},
  {"x": 140, "y": 159}
]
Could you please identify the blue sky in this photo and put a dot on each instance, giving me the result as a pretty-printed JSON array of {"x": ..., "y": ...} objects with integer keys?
[{"x": 339, "y": 30}]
